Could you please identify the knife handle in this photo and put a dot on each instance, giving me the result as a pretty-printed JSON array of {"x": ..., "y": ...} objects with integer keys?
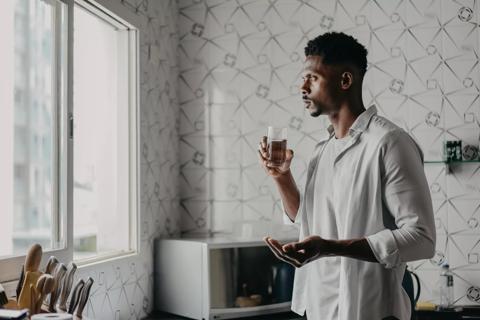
[
  {"x": 67, "y": 286},
  {"x": 77, "y": 290},
  {"x": 20, "y": 283},
  {"x": 51, "y": 264},
  {"x": 84, "y": 297},
  {"x": 58, "y": 276}
]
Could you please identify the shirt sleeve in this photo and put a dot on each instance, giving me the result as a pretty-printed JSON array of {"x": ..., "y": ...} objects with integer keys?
[
  {"x": 407, "y": 198},
  {"x": 286, "y": 218},
  {"x": 310, "y": 169}
]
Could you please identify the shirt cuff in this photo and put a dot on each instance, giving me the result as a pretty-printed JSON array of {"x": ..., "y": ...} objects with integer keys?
[
  {"x": 385, "y": 248},
  {"x": 286, "y": 218}
]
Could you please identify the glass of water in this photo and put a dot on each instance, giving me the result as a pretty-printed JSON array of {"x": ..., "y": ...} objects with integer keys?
[{"x": 276, "y": 145}]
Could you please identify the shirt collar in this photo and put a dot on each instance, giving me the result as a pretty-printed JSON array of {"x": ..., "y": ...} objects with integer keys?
[{"x": 360, "y": 124}]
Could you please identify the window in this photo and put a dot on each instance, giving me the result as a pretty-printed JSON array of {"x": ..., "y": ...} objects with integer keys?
[
  {"x": 32, "y": 62},
  {"x": 104, "y": 194},
  {"x": 69, "y": 161}
]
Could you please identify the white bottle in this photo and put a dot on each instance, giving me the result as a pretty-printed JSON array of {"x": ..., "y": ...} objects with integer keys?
[{"x": 446, "y": 287}]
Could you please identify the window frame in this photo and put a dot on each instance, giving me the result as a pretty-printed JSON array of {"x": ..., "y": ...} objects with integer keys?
[
  {"x": 112, "y": 17},
  {"x": 62, "y": 219}
]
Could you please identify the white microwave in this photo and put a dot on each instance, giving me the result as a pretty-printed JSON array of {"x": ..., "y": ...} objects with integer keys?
[{"x": 220, "y": 278}]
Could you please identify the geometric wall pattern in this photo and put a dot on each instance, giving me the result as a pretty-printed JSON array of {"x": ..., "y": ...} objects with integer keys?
[
  {"x": 123, "y": 289},
  {"x": 214, "y": 74},
  {"x": 239, "y": 65}
]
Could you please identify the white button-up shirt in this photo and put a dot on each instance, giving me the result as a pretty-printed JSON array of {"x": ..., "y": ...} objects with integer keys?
[{"x": 374, "y": 187}]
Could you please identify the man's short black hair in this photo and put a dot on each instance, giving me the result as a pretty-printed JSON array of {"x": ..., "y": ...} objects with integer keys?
[{"x": 338, "y": 48}]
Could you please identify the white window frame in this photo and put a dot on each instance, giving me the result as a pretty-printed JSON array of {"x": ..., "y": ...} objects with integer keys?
[
  {"x": 112, "y": 16},
  {"x": 10, "y": 267}
]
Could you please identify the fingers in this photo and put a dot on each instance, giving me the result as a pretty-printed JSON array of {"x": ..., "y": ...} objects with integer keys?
[
  {"x": 284, "y": 258},
  {"x": 289, "y": 247},
  {"x": 262, "y": 150},
  {"x": 262, "y": 146},
  {"x": 263, "y": 142},
  {"x": 295, "y": 246},
  {"x": 289, "y": 155},
  {"x": 272, "y": 170},
  {"x": 263, "y": 159},
  {"x": 276, "y": 248},
  {"x": 276, "y": 253},
  {"x": 274, "y": 245},
  {"x": 266, "y": 164},
  {"x": 295, "y": 250}
]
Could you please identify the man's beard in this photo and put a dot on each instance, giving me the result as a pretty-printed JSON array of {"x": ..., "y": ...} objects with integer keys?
[{"x": 315, "y": 109}]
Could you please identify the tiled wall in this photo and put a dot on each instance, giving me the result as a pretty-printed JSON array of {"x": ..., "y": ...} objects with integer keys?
[
  {"x": 239, "y": 64},
  {"x": 123, "y": 289}
]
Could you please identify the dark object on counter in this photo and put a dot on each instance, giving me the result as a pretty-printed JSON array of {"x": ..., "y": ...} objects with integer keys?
[
  {"x": 283, "y": 275},
  {"x": 452, "y": 150},
  {"x": 246, "y": 300},
  {"x": 470, "y": 152},
  {"x": 20, "y": 282},
  {"x": 3, "y": 297},
  {"x": 407, "y": 284}
]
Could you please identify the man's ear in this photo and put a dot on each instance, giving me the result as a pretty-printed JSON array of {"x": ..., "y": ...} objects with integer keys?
[{"x": 346, "y": 80}]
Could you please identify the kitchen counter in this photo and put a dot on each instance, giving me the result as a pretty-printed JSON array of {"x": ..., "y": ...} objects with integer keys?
[
  {"x": 280, "y": 316},
  {"x": 461, "y": 313}
]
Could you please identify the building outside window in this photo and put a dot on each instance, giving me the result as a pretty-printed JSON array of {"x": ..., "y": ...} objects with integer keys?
[{"x": 69, "y": 131}]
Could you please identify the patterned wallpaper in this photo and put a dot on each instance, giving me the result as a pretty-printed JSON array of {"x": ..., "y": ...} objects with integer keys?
[
  {"x": 239, "y": 64},
  {"x": 215, "y": 73},
  {"x": 123, "y": 289}
]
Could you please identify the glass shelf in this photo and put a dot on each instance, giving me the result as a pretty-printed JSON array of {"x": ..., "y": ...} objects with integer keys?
[{"x": 448, "y": 164}]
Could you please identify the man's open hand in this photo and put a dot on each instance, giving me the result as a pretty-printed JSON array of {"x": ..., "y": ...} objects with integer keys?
[{"x": 298, "y": 253}]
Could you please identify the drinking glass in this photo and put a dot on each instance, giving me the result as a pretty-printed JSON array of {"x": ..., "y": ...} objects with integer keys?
[{"x": 276, "y": 146}]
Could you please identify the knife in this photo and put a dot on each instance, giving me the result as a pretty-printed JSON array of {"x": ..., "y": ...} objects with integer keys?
[
  {"x": 51, "y": 264},
  {"x": 44, "y": 286},
  {"x": 59, "y": 273},
  {"x": 67, "y": 286},
  {"x": 84, "y": 297},
  {"x": 77, "y": 290},
  {"x": 20, "y": 282}
]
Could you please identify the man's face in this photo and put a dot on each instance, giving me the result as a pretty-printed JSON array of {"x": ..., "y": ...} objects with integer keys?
[{"x": 320, "y": 89}]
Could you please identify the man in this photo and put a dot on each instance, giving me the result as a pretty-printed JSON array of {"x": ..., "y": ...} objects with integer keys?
[{"x": 366, "y": 209}]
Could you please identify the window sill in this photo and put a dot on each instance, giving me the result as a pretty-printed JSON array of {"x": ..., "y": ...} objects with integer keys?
[
  {"x": 107, "y": 258},
  {"x": 11, "y": 286}
]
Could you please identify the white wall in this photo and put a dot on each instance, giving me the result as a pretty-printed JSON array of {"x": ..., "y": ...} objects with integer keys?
[{"x": 239, "y": 63}]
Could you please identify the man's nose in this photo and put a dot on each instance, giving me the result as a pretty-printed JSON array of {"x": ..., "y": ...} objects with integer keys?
[{"x": 304, "y": 88}]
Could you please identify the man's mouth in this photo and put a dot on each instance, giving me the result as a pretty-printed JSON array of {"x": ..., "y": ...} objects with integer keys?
[{"x": 307, "y": 103}]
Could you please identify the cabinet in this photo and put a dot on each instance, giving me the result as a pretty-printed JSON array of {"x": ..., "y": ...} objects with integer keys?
[{"x": 203, "y": 278}]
